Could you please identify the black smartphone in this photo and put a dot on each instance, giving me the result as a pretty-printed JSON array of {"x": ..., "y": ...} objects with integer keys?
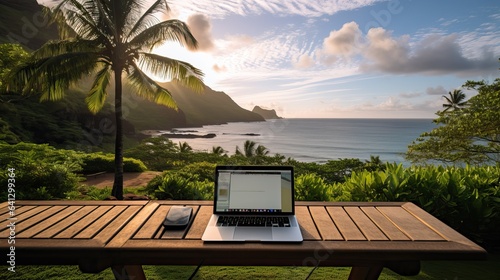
[{"x": 178, "y": 217}]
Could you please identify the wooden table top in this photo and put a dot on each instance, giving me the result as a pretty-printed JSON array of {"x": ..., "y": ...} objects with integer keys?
[{"x": 99, "y": 234}]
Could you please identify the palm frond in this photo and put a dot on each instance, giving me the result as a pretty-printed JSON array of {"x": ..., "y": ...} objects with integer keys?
[
  {"x": 172, "y": 69},
  {"x": 148, "y": 19},
  {"x": 150, "y": 89},
  {"x": 97, "y": 95},
  {"x": 75, "y": 18},
  {"x": 50, "y": 75},
  {"x": 170, "y": 30},
  {"x": 109, "y": 20},
  {"x": 53, "y": 48}
]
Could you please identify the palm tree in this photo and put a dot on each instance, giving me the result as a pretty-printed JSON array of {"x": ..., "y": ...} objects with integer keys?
[
  {"x": 455, "y": 101},
  {"x": 184, "y": 147},
  {"x": 261, "y": 151},
  {"x": 106, "y": 39},
  {"x": 218, "y": 150},
  {"x": 248, "y": 149}
]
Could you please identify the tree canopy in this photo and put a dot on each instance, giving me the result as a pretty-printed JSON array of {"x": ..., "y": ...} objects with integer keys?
[{"x": 469, "y": 135}]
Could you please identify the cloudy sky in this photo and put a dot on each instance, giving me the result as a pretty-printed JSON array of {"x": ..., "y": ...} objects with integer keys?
[{"x": 341, "y": 58}]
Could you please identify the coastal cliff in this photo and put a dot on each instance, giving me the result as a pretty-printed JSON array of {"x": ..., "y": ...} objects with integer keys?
[{"x": 265, "y": 113}]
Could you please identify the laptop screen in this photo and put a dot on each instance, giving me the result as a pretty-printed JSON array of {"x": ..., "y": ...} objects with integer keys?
[{"x": 254, "y": 189}]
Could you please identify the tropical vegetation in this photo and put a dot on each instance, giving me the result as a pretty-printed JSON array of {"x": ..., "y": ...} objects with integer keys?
[
  {"x": 106, "y": 39},
  {"x": 465, "y": 135}
]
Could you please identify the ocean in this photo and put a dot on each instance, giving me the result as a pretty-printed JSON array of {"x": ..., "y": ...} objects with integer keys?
[{"x": 316, "y": 140}]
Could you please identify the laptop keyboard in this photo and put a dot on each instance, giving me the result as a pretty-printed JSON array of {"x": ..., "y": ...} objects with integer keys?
[{"x": 251, "y": 221}]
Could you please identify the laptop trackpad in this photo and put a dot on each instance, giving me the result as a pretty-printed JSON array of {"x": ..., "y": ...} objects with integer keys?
[{"x": 256, "y": 234}]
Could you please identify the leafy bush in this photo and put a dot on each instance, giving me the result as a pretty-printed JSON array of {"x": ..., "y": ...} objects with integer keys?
[
  {"x": 176, "y": 186},
  {"x": 40, "y": 173},
  {"x": 203, "y": 170},
  {"x": 311, "y": 187},
  {"x": 98, "y": 162}
]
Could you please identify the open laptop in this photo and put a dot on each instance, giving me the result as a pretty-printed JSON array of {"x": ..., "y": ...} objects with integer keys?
[{"x": 253, "y": 203}]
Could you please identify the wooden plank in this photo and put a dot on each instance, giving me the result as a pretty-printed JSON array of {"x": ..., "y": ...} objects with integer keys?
[
  {"x": 48, "y": 221},
  {"x": 117, "y": 224},
  {"x": 31, "y": 217},
  {"x": 389, "y": 229},
  {"x": 24, "y": 213},
  {"x": 82, "y": 202},
  {"x": 19, "y": 210},
  {"x": 324, "y": 222},
  {"x": 200, "y": 222},
  {"x": 66, "y": 222},
  {"x": 70, "y": 232},
  {"x": 346, "y": 226},
  {"x": 25, "y": 216},
  {"x": 179, "y": 234},
  {"x": 367, "y": 227},
  {"x": 95, "y": 227},
  {"x": 307, "y": 226},
  {"x": 435, "y": 224},
  {"x": 412, "y": 226},
  {"x": 153, "y": 224},
  {"x": 4, "y": 207}
]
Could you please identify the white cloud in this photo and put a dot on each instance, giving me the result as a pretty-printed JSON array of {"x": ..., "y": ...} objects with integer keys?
[
  {"x": 303, "y": 62},
  {"x": 221, "y": 9},
  {"x": 201, "y": 29},
  {"x": 385, "y": 52},
  {"x": 343, "y": 42}
]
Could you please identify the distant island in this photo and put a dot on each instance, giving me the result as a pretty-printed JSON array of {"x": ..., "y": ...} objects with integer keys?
[{"x": 265, "y": 113}]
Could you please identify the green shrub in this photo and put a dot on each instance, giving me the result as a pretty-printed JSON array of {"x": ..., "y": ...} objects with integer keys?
[
  {"x": 174, "y": 185},
  {"x": 38, "y": 176},
  {"x": 203, "y": 170},
  {"x": 311, "y": 187},
  {"x": 98, "y": 162}
]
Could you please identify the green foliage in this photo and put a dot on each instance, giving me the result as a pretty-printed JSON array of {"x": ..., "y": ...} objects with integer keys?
[
  {"x": 11, "y": 55},
  {"x": 98, "y": 162},
  {"x": 311, "y": 187},
  {"x": 84, "y": 192},
  {"x": 158, "y": 153},
  {"x": 466, "y": 134},
  {"x": 178, "y": 186},
  {"x": 6, "y": 134},
  {"x": 193, "y": 181},
  {"x": 203, "y": 170},
  {"x": 41, "y": 172}
]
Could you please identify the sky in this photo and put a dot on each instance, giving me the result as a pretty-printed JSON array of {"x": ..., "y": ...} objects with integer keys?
[{"x": 341, "y": 58}]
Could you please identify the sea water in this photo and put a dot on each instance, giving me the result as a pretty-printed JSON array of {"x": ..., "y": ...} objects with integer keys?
[{"x": 316, "y": 140}]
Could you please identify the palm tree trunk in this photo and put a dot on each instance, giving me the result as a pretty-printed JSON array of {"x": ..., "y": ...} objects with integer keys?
[{"x": 117, "y": 190}]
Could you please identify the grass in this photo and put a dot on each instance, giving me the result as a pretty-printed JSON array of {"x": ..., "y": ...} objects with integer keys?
[{"x": 450, "y": 270}]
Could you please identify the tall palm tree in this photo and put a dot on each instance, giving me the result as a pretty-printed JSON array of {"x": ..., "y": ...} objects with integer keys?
[
  {"x": 456, "y": 100},
  {"x": 106, "y": 39},
  {"x": 218, "y": 150},
  {"x": 248, "y": 149},
  {"x": 184, "y": 147}
]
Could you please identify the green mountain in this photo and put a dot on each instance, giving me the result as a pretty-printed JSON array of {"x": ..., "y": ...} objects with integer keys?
[
  {"x": 265, "y": 113},
  {"x": 209, "y": 107},
  {"x": 23, "y": 22}
]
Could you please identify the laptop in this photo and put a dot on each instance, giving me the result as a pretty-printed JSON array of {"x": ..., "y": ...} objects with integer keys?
[{"x": 253, "y": 203}]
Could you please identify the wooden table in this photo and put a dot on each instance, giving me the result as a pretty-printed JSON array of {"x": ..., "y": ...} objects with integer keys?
[{"x": 125, "y": 235}]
